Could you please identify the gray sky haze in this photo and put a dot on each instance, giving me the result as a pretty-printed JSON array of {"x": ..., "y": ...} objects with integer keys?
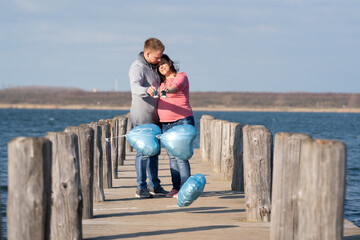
[{"x": 229, "y": 45}]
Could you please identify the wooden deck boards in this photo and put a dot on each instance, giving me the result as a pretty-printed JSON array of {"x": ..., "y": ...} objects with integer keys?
[{"x": 218, "y": 213}]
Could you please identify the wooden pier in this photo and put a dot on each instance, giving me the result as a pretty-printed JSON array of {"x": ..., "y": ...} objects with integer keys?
[
  {"x": 219, "y": 213},
  {"x": 81, "y": 183}
]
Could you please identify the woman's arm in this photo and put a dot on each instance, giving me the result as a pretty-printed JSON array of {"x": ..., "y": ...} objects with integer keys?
[{"x": 171, "y": 89}]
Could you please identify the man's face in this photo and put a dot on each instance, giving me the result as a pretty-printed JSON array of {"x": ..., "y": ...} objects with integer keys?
[{"x": 153, "y": 57}]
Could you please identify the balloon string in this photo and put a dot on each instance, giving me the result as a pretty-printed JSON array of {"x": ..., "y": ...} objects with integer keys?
[
  {"x": 141, "y": 130},
  {"x": 108, "y": 139}
]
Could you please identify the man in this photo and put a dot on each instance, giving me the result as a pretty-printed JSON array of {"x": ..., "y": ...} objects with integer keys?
[{"x": 144, "y": 79}]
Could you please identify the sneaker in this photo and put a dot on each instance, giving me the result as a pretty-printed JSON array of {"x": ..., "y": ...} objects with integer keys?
[
  {"x": 157, "y": 192},
  {"x": 142, "y": 193},
  {"x": 172, "y": 194}
]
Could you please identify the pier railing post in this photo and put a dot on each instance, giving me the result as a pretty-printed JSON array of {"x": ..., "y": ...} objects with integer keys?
[
  {"x": 106, "y": 152},
  {"x": 216, "y": 145},
  {"x": 129, "y": 126},
  {"x": 205, "y": 137},
  {"x": 29, "y": 184},
  {"x": 237, "y": 175},
  {"x": 227, "y": 161},
  {"x": 98, "y": 164},
  {"x": 322, "y": 189},
  {"x": 122, "y": 120},
  {"x": 114, "y": 147},
  {"x": 286, "y": 165},
  {"x": 257, "y": 142},
  {"x": 231, "y": 150},
  {"x": 66, "y": 198},
  {"x": 86, "y": 161}
]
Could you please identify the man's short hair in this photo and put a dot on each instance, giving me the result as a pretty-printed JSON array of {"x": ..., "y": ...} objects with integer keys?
[{"x": 154, "y": 44}]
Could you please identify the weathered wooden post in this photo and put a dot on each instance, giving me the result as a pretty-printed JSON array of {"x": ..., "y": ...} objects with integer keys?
[
  {"x": 129, "y": 126},
  {"x": 216, "y": 145},
  {"x": 205, "y": 139},
  {"x": 231, "y": 161},
  {"x": 227, "y": 162},
  {"x": 322, "y": 190},
  {"x": 114, "y": 147},
  {"x": 286, "y": 165},
  {"x": 106, "y": 152},
  {"x": 66, "y": 198},
  {"x": 257, "y": 142},
  {"x": 123, "y": 120},
  {"x": 86, "y": 161},
  {"x": 98, "y": 192},
  {"x": 29, "y": 185},
  {"x": 231, "y": 149}
]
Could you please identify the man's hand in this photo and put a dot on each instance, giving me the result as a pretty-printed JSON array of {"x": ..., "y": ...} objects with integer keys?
[{"x": 151, "y": 90}]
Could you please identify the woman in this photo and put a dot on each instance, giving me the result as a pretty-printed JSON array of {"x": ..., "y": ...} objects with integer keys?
[{"x": 174, "y": 109}]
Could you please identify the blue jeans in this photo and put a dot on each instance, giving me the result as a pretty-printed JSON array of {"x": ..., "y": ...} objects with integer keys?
[
  {"x": 179, "y": 168},
  {"x": 150, "y": 165}
]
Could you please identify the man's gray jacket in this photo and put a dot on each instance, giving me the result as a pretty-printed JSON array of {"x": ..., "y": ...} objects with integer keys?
[{"x": 143, "y": 107}]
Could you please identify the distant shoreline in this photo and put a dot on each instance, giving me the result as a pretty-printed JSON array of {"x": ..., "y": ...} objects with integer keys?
[{"x": 220, "y": 109}]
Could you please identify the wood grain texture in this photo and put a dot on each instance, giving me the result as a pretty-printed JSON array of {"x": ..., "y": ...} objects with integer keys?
[
  {"x": 322, "y": 189},
  {"x": 286, "y": 166},
  {"x": 98, "y": 164},
  {"x": 257, "y": 142},
  {"x": 66, "y": 198},
  {"x": 29, "y": 183},
  {"x": 86, "y": 162}
]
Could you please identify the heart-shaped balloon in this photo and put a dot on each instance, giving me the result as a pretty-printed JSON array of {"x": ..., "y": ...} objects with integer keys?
[
  {"x": 191, "y": 190},
  {"x": 178, "y": 140},
  {"x": 144, "y": 138}
]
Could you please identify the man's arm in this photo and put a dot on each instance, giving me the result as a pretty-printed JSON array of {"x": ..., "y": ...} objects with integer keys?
[{"x": 137, "y": 79}]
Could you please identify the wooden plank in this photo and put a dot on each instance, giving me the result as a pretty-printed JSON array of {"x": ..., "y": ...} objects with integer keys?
[
  {"x": 216, "y": 144},
  {"x": 29, "y": 183},
  {"x": 129, "y": 126},
  {"x": 218, "y": 213},
  {"x": 66, "y": 198},
  {"x": 114, "y": 147},
  {"x": 286, "y": 165},
  {"x": 122, "y": 120},
  {"x": 106, "y": 152},
  {"x": 322, "y": 189},
  {"x": 205, "y": 139},
  {"x": 227, "y": 160},
  {"x": 237, "y": 183},
  {"x": 86, "y": 162},
  {"x": 98, "y": 164},
  {"x": 257, "y": 142}
]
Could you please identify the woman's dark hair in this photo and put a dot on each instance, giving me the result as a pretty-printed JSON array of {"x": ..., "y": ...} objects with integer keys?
[{"x": 173, "y": 68}]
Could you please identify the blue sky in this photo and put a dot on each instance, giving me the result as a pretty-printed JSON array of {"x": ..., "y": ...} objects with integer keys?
[{"x": 235, "y": 45}]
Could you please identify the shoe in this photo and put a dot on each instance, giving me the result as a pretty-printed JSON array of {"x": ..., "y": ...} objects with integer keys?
[
  {"x": 143, "y": 193},
  {"x": 157, "y": 192},
  {"x": 172, "y": 194}
]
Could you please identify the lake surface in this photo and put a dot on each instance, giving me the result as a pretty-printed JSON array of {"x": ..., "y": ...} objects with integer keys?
[{"x": 337, "y": 126}]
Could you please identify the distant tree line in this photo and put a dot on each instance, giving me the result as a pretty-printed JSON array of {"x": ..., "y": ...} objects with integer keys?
[{"x": 213, "y": 100}]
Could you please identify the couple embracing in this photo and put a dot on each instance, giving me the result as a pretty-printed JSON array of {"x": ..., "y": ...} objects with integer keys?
[{"x": 154, "y": 72}]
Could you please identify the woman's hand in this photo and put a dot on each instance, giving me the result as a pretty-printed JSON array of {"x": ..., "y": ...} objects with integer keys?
[{"x": 171, "y": 89}]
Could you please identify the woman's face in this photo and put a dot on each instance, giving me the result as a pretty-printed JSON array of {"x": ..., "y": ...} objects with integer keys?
[{"x": 164, "y": 67}]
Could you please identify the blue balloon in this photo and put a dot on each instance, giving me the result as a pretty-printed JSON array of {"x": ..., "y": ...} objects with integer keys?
[
  {"x": 179, "y": 141},
  {"x": 144, "y": 138},
  {"x": 191, "y": 190}
]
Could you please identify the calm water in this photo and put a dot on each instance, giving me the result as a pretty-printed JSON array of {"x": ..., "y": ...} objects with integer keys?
[{"x": 339, "y": 126}]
